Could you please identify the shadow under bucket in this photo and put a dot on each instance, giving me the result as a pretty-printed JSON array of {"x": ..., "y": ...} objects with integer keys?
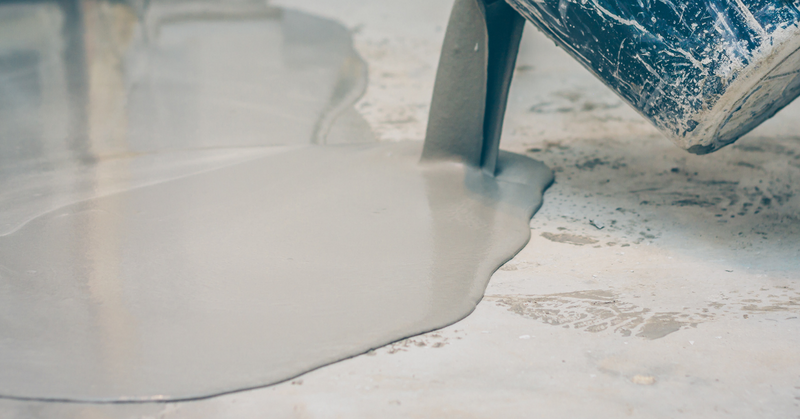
[{"x": 705, "y": 73}]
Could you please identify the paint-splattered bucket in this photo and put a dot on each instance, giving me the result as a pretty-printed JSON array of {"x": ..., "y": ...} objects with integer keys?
[{"x": 705, "y": 72}]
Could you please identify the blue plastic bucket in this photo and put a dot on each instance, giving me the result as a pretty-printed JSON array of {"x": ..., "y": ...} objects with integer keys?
[{"x": 704, "y": 72}]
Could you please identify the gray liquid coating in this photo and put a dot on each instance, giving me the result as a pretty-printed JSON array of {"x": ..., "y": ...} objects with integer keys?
[
  {"x": 252, "y": 274},
  {"x": 170, "y": 242}
]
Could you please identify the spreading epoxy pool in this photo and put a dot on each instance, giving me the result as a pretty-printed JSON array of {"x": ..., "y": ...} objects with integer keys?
[{"x": 154, "y": 248}]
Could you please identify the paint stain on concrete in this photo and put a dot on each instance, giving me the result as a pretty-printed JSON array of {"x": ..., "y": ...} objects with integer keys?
[
  {"x": 433, "y": 340},
  {"x": 569, "y": 239},
  {"x": 598, "y": 311},
  {"x": 643, "y": 380}
]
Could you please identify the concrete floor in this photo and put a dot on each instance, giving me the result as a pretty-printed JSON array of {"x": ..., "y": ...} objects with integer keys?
[{"x": 656, "y": 284}]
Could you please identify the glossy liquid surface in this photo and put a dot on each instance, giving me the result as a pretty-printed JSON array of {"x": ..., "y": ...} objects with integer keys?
[{"x": 173, "y": 229}]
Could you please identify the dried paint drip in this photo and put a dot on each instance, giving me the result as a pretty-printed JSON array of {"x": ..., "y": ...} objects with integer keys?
[{"x": 173, "y": 252}]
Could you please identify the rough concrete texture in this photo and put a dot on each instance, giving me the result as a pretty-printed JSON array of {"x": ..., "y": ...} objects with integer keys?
[{"x": 693, "y": 311}]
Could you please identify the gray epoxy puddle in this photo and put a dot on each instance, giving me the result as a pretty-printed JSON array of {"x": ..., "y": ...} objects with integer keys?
[
  {"x": 161, "y": 251},
  {"x": 252, "y": 274}
]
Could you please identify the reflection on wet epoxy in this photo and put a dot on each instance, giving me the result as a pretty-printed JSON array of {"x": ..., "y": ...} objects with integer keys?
[{"x": 113, "y": 108}]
